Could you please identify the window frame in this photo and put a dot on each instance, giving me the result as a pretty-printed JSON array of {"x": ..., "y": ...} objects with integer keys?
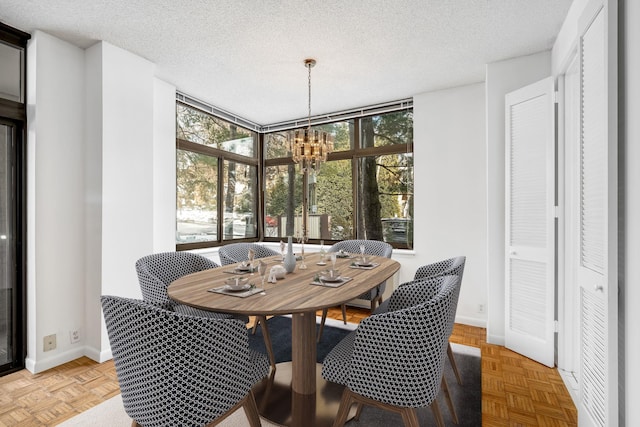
[
  {"x": 354, "y": 155},
  {"x": 261, "y": 163},
  {"x": 14, "y": 113},
  {"x": 222, "y": 156}
]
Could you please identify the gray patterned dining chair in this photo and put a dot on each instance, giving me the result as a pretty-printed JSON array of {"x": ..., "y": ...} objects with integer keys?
[
  {"x": 395, "y": 360},
  {"x": 233, "y": 253},
  {"x": 371, "y": 247},
  {"x": 451, "y": 266},
  {"x": 237, "y": 252},
  {"x": 418, "y": 291},
  {"x": 157, "y": 271},
  {"x": 180, "y": 370}
]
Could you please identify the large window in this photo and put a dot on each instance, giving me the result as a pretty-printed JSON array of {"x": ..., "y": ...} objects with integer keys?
[
  {"x": 363, "y": 191},
  {"x": 217, "y": 180}
]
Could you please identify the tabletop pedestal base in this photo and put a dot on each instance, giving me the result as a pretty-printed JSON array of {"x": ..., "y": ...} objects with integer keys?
[{"x": 274, "y": 397}]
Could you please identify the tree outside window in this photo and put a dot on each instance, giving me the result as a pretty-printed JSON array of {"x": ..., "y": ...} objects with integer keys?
[
  {"x": 217, "y": 178},
  {"x": 364, "y": 190}
]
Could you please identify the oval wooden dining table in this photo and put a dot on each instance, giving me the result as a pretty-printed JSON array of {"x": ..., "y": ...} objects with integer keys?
[{"x": 295, "y": 394}]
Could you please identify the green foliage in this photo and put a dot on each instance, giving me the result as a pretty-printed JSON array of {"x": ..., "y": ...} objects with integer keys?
[
  {"x": 384, "y": 188},
  {"x": 335, "y": 197}
]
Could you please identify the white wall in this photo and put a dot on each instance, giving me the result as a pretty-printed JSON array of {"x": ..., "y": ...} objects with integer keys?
[
  {"x": 55, "y": 206},
  {"x": 101, "y": 152},
  {"x": 164, "y": 167},
  {"x": 121, "y": 86},
  {"x": 630, "y": 152},
  {"x": 501, "y": 78},
  {"x": 450, "y": 190}
]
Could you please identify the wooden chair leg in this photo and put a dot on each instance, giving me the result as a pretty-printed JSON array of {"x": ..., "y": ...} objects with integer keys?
[
  {"x": 324, "y": 318},
  {"x": 358, "y": 411},
  {"x": 436, "y": 413},
  {"x": 268, "y": 386},
  {"x": 344, "y": 313},
  {"x": 453, "y": 363},
  {"x": 376, "y": 301},
  {"x": 267, "y": 341},
  {"x": 251, "y": 410},
  {"x": 343, "y": 410},
  {"x": 409, "y": 417},
  {"x": 447, "y": 395},
  {"x": 248, "y": 403}
]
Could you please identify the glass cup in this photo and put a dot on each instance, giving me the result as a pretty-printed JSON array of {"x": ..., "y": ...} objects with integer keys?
[
  {"x": 251, "y": 255},
  {"x": 262, "y": 271}
]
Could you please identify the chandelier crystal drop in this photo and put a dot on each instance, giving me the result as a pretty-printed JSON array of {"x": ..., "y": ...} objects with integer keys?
[{"x": 308, "y": 147}]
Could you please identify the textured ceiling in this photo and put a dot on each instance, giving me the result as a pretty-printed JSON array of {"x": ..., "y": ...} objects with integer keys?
[{"x": 246, "y": 56}]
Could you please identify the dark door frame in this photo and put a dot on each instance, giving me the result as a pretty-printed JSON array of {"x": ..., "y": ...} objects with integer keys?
[{"x": 14, "y": 114}]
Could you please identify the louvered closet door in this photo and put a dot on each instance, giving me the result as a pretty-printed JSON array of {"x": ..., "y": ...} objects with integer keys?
[
  {"x": 530, "y": 231},
  {"x": 597, "y": 278}
]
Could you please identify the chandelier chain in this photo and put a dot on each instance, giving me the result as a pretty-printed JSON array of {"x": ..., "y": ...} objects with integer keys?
[{"x": 309, "y": 82}]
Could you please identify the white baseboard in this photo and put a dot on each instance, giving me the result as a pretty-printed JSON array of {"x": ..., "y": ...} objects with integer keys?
[
  {"x": 42, "y": 365},
  {"x": 572, "y": 385},
  {"x": 495, "y": 339},
  {"x": 98, "y": 355},
  {"x": 471, "y": 321}
]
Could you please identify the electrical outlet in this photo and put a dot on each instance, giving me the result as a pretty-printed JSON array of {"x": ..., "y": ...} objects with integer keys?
[
  {"x": 480, "y": 308},
  {"x": 74, "y": 336},
  {"x": 49, "y": 342}
]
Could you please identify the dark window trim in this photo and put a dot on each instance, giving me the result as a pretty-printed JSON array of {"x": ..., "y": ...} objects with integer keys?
[
  {"x": 16, "y": 113},
  {"x": 215, "y": 152},
  {"x": 222, "y": 156},
  {"x": 354, "y": 154}
]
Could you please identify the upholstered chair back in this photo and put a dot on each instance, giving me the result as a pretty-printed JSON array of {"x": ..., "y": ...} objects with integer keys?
[
  {"x": 176, "y": 369},
  {"x": 157, "y": 271},
  {"x": 237, "y": 252}
]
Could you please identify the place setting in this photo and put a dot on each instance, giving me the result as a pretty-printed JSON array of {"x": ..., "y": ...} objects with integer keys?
[
  {"x": 245, "y": 266},
  {"x": 238, "y": 287},
  {"x": 242, "y": 268},
  {"x": 330, "y": 278},
  {"x": 363, "y": 262}
]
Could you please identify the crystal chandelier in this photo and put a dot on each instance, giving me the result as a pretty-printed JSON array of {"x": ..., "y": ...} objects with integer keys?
[{"x": 309, "y": 147}]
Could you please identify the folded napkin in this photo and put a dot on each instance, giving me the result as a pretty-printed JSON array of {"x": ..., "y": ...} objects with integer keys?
[
  {"x": 335, "y": 284},
  {"x": 243, "y": 294},
  {"x": 364, "y": 267}
]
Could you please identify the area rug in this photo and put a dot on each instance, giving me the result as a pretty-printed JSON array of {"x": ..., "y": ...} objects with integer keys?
[
  {"x": 280, "y": 332},
  {"x": 466, "y": 398}
]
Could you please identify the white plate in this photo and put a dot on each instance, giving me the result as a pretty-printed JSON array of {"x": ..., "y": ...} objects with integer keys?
[
  {"x": 364, "y": 264},
  {"x": 234, "y": 288},
  {"x": 330, "y": 279}
]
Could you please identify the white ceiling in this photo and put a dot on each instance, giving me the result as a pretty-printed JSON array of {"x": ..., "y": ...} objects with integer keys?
[{"x": 246, "y": 56}]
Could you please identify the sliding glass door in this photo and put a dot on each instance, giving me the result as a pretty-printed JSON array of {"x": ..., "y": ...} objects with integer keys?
[
  {"x": 13, "y": 122},
  {"x": 11, "y": 330}
]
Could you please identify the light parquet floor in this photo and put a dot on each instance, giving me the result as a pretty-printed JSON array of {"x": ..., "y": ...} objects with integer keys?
[{"x": 516, "y": 391}]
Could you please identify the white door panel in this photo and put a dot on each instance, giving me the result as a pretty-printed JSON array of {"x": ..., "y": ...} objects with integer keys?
[
  {"x": 530, "y": 230},
  {"x": 597, "y": 234}
]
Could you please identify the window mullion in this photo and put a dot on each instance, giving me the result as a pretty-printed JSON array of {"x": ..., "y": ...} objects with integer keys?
[
  {"x": 220, "y": 199},
  {"x": 355, "y": 177}
]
